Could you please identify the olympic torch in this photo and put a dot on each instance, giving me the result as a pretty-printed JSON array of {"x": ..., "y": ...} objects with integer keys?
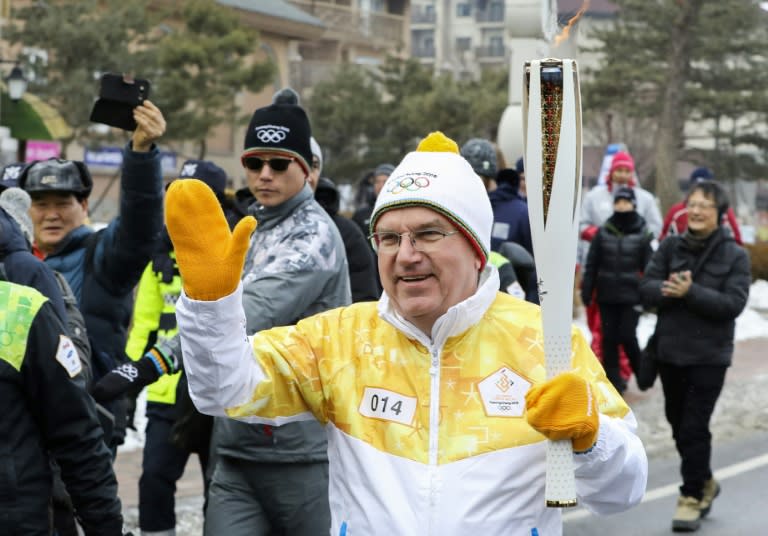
[{"x": 552, "y": 145}]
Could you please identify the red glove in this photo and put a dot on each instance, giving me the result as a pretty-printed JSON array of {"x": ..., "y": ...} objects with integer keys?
[{"x": 589, "y": 233}]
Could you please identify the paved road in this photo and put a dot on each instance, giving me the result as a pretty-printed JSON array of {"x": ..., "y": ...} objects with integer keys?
[
  {"x": 741, "y": 466},
  {"x": 740, "y": 430}
]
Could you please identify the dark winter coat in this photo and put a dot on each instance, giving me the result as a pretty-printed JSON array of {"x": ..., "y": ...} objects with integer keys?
[
  {"x": 236, "y": 207},
  {"x": 616, "y": 260},
  {"x": 510, "y": 218},
  {"x": 363, "y": 273},
  {"x": 104, "y": 268},
  {"x": 362, "y": 217},
  {"x": 46, "y": 414},
  {"x": 698, "y": 329}
]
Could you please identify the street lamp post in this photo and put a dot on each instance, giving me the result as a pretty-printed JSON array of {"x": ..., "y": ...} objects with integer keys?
[{"x": 16, "y": 84}]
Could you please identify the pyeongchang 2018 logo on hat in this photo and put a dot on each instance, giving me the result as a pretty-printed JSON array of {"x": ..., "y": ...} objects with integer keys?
[
  {"x": 410, "y": 182},
  {"x": 271, "y": 133}
]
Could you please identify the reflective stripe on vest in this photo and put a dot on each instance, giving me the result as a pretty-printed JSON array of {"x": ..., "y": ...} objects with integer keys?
[{"x": 18, "y": 307}]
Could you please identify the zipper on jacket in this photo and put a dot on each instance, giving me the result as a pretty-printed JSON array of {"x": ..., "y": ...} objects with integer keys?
[
  {"x": 434, "y": 405},
  {"x": 434, "y": 429}
]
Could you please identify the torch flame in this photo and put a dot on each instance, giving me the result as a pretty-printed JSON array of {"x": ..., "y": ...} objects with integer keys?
[{"x": 567, "y": 30}]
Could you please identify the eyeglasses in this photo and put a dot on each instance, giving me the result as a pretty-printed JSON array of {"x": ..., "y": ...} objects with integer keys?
[
  {"x": 701, "y": 205},
  {"x": 254, "y": 163},
  {"x": 424, "y": 240}
]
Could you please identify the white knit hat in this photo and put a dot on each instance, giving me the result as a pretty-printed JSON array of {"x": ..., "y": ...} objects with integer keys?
[
  {"x": 16, "y": 203},
  {"x": 435, "y": 176}
]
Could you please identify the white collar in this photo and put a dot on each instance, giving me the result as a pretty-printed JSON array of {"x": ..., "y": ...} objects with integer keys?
[{"x": 456, "y": 320}]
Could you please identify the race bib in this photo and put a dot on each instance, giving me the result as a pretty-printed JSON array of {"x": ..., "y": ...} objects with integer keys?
[
  {"x": 388, "y": 406},
  {"x": 66, "y": 355}
]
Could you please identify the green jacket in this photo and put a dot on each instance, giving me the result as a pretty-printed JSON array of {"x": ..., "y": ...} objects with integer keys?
[{"x": 154, "y": 320}]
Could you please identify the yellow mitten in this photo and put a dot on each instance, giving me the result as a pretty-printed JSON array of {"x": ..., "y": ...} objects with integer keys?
[
  {"x": 564, "y": 408},
  {"x": 210, "y": 257}
]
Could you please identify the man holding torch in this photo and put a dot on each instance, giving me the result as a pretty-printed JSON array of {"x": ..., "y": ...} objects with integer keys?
[{"x": 434, "y": 399}]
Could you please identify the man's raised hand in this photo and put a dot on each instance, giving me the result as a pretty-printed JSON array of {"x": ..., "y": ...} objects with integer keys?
[{"x": 150, "y": 125}]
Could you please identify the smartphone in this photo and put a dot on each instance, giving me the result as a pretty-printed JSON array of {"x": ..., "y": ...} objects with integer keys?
[{"x": 119, "y": 94}]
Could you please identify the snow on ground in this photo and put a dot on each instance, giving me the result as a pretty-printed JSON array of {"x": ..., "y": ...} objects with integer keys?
[{"x": 751, "y": 324}]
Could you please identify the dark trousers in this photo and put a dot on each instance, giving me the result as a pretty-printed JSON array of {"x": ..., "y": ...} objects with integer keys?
[
  {"x": 268, "y": 499},
  {"x": 63, "y": 512},
  {"x": 162, "y": 466},
  {"x": 690, "y": 394},
  {"x": 619, "y": 323}
]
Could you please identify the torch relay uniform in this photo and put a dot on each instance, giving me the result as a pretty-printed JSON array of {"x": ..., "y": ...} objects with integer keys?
[
  {"x": 427, "y": 432},
  {"x": 396, "y": 466}
]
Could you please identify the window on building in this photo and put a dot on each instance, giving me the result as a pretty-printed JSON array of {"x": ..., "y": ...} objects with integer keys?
[
  {"x": 463, "y": 44},
  {"x": 496, "y": 11},
  {"x": 424, "y": 48},
  {"x": 496, "y": 45},
  {"x": 429, "y": 46},
  {"x": 463, "y": 10}
]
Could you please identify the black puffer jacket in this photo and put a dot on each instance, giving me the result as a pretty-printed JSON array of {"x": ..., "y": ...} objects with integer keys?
[
  {"x": 698, "y": 329},
  {"x": 617, "y": 257},
  {"x": 363, "y": 274}
]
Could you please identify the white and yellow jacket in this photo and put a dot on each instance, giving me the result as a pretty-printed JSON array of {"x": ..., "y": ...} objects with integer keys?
[{"x": 426, "y": 436}]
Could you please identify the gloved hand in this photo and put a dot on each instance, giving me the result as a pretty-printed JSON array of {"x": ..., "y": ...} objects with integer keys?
[
  {"x": 210, "y": 257},
  {"x": 589, "y": 233},
  {"x": 131, "y": 378},
  {"x": 564, "y": 407}
]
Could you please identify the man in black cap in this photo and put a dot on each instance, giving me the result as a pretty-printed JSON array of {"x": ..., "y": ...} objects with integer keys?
[
  {"x": 273, "y": 480},
  {"x": 296, "y": 266}
]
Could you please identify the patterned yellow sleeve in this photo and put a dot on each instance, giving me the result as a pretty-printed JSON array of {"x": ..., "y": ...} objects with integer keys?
[
  {"x": 587, "y": 365},
  {"x": 289, "y": 357}
]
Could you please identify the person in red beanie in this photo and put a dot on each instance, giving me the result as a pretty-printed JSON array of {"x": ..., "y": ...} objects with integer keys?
[{"x": 596, "y": 208}]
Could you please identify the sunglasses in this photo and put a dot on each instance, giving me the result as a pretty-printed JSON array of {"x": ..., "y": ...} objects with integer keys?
[{"x": 254, "y": 163}]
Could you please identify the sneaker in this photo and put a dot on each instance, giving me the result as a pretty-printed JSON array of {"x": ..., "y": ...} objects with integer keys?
[
  {"x": 711, "y": 490},
  {"x": 688, "y": 515}
]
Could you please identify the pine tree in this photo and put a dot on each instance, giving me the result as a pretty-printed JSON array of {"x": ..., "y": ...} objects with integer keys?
[{"x": 689, "y": 69}]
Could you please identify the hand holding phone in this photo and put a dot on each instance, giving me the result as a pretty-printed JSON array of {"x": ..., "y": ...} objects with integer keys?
[{"x": 150, "y": 126}]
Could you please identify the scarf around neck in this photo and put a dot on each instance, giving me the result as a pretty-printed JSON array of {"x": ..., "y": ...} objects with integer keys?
[{"x": 696, "y": 243}]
